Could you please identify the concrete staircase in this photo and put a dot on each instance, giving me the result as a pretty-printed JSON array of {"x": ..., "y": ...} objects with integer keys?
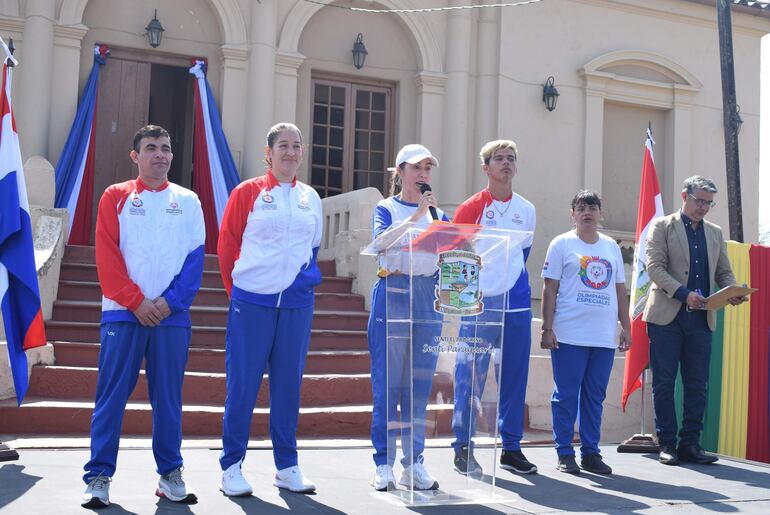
[{"x": 336, "y": 391}]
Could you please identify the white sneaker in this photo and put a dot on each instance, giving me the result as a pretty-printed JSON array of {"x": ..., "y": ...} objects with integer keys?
[
  {"x": 415, "y": 476},
  {"x": 172, "y": 487},
  {"x": 383, "y": 478},
  {"x": 233, "y": 483},
  {"x": 97, "y": 494},
  {"x": 293, "y": 479}
]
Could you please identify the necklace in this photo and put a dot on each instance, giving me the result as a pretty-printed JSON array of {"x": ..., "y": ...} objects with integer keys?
[{"x": 502, "y": 213}]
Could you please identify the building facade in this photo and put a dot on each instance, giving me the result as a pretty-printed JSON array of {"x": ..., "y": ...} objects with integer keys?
[{"x": 451, "y": 79}]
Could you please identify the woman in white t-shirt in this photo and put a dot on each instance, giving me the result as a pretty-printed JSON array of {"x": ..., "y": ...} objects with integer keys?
[{"x": 584, "y": 296}]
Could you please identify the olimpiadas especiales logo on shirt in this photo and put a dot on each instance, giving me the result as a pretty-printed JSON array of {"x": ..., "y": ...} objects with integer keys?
[{"x": 595, "y": 272}]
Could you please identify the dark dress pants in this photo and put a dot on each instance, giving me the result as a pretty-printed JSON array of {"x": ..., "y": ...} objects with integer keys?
[{"x": 683, "y": 344}]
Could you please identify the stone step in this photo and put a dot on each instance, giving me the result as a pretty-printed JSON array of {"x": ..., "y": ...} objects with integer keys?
[
  {"x": 80, "y": 354},
  {"x": 87, "y": 254},
  {"x": 89, "y": 311},
  {"x": 200, "y": 388},
  {"x": 43, "y": 416},
  {"x": 208, "y": 336},
  {"x": 91, "y": 291},
  {"x": 77, "y": 271}
]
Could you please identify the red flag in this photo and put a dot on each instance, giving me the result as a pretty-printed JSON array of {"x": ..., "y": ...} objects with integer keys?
[{"x": 650, "y": 207}]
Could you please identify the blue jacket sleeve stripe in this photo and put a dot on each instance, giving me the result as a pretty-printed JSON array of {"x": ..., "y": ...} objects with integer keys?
[{"x": 181, "y": 292}]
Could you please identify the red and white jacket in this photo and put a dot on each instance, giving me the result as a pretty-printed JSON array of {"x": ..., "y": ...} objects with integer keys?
[
  {"x": 149, "y": 243},
  {"x": 514, "y": 213},
  {"x": 268, "y": 242}
]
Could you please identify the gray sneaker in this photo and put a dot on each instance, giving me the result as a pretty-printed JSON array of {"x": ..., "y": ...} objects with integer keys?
[
  {"x": 97, "y": 494},
  {"x": 172, "y": 487}
]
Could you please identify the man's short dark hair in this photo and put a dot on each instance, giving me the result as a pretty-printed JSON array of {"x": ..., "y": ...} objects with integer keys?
[
  {"x": 586, "y": 197},
  {"x": 698, "y": 182},
  {"x": 150, "y": 131}
]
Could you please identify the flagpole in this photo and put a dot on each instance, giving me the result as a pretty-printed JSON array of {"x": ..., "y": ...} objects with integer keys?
[
  {"x": 8, "y": 453},
  {"x": 642, "y": 421},
  {"x": 641, "y": 442}
]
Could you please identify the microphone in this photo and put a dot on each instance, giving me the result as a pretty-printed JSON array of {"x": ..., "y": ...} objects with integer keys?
[{"x": 423, "y": 188}]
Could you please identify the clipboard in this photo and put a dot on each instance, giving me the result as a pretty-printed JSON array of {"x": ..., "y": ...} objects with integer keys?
[{"x": 720, "y": 299}]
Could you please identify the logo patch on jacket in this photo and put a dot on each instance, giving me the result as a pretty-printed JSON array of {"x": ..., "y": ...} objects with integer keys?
[{"x": 173, "y": 209}]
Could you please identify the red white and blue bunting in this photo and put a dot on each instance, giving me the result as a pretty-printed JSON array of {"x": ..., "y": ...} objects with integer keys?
[
  {"x": 75, "y": 169},
  {"x": 214, "y": 172}
]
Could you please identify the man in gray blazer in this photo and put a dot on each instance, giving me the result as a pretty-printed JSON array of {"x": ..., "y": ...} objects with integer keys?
[{"x": 687, "y": 260}]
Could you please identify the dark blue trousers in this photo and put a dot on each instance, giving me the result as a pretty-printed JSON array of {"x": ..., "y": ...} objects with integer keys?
[
  {"x": 580, "y": 376},
  {"x": 684, "y": 344},
  {"x": 471, "y": 376},
  {"x": 123, "y": 347},
  {"x": 261, "y": 338},
  {"x": 402, "y": 370}
]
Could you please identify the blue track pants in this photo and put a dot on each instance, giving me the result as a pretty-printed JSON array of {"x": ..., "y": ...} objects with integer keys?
[
  {"x": 260, "y": 338},
  {"x": 123, "y": 347},
  {"x": 394, "y": 358},
  {"x": 580, "y": 376},
  {"x": 471, "y": 376}
]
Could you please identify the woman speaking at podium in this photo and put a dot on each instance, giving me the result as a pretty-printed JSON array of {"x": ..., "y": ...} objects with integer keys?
[{"x": 392, "y": 365}]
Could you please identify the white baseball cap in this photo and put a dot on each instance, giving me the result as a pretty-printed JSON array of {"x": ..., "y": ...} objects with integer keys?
[{"x": 414, "y": 153}]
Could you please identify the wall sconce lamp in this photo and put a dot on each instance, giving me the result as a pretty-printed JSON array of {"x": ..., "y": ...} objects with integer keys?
[
  {"x": 154, "y": 31},
  {"x": 550, "y": 94},
  {"x": 738, "y": 119},
  {"x": 359, "y": 52}
]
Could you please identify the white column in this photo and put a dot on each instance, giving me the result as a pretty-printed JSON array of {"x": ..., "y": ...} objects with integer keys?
[
  {"x": 594, "y": 133},
  {"x": 430, "y": 120},
  {"x": 234, "y": 58},
  {"x": 452, "y": 186},
  {"x": 682, "y": 143},
  {"x": 261, "y": 89},
  {"x": 33, "y": 95},
  {"x": 487, "y": 87},
  {"x": 67, "y": 46},
  {"x": 286, "y": 75}
]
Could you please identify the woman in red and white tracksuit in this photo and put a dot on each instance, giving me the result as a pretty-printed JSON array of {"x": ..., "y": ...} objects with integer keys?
[{"x": 268, "y": 247}]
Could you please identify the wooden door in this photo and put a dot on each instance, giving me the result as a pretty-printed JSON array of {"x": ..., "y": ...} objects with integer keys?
[
  {"x": 123, "y": 105},
  {"x": 351, "y": 136}
]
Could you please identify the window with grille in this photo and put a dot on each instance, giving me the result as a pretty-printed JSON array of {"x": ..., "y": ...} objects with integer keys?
[{"x": 351, "y": 136}]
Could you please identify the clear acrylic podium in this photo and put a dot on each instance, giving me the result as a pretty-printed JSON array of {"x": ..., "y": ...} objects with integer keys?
[{"x": 445, "y": 292}]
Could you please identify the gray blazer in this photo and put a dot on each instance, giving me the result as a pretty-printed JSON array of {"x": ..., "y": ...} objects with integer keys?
[{"x": 668, "y": 263}]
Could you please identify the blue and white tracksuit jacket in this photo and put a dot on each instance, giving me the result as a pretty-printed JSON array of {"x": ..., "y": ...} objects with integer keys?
[
  {"x": 392, "y": 353},
  {"x": 268, "y": 248},
  {"x": 149, "y": 244}
]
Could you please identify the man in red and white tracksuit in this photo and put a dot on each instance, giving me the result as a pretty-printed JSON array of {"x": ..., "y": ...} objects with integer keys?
[
  {"x": 498, "y": 206},
  {"x": 149, "y": 256}
]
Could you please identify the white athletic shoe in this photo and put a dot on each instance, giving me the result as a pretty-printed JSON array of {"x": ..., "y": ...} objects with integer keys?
[
  {"x": 383, "y": 478},
  {"x": 233, "y": 483},
  {"x": 172, "y": 487},
  {"x": 292, "y": 478},
  {"x": 97, "y": 494},
  {"x": 415, "y": 476}
]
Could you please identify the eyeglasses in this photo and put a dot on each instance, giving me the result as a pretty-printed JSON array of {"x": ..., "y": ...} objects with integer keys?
[{"x": 702, "y": 202}]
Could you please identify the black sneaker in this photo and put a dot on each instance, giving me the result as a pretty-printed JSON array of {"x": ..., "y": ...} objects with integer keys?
[
  {"x": 466, "y": 464},
  {"x": 568, "y": 464},
  {"x": 516, "y": 462},
  {"x": 593, "y": 463}
]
